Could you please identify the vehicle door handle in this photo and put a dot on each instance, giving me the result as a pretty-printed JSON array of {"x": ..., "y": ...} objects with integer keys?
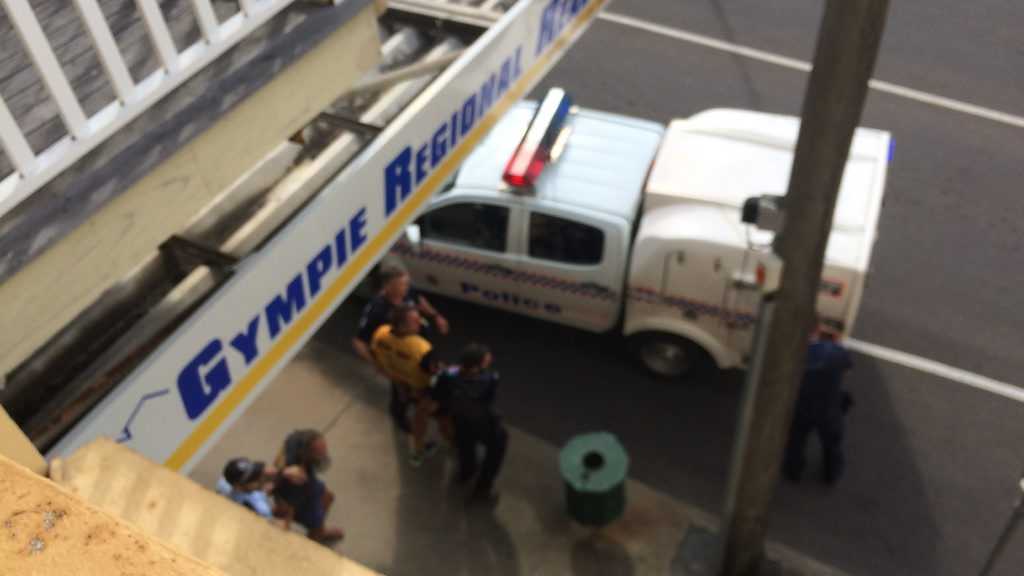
[
  {"x": 595, "y": 287},
  {"x": 498, "y": 269}
]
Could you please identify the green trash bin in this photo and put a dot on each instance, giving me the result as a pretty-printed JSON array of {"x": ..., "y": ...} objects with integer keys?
[{"x": 594, "y": 467}]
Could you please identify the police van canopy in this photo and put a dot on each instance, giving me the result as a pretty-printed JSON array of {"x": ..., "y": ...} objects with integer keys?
[{"x": 722, "y": 157}]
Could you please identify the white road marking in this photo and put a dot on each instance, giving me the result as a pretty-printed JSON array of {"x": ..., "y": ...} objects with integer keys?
[
  {"x": 888, "y": 354},
  {"x": 937, "y": 369},
  {"x": 803, "y": 66}
]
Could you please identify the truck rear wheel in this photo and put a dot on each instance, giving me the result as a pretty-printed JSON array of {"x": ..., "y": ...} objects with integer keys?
[{"x": 670, "y": 357}]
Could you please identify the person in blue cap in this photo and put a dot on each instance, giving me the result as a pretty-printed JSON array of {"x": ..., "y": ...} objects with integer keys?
[{"x": 244, "y": 482}]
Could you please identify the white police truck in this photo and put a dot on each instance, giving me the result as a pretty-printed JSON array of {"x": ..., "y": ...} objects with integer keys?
[{"x": 606, "y": 222}]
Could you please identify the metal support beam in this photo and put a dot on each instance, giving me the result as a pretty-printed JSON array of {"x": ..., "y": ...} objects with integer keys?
[
  {"x": 187, "y": 252},
  {"x": 444, "y": 13},
  {"x": 381, "y": 81},
  {"x": 350, "y": 124}
]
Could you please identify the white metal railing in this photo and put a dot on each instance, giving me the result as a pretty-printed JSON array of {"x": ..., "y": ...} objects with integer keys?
[{"x": 32, "y": 170}]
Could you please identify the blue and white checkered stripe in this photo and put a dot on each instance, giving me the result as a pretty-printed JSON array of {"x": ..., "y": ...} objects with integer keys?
[
  {"x": 737, "y": 319},
  {"x": 526, "y": 278}
]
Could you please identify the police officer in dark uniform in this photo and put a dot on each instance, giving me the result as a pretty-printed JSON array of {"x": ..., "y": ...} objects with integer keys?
[
  {"x": 820, "y": 408},
  {"x": 394, "y": 293},
  {"x": 469, "y": 390}
]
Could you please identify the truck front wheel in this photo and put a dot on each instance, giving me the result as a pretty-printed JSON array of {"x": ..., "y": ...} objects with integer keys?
[{"x": 668, "y": 356}]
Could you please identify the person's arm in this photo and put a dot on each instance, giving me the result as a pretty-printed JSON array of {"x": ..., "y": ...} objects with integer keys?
[
  {"x": 491, "y": 394},
  {"x": 283, "y": 514},
  {"x": 369, "y": 321},
  {"x": 429, "y": 364},
  {"x": 431, "y": 313},
  {"x": 362, "y": 349},
  {"x": 223, "y": 488},
  {"x": 263, "y": 506},
  {"x": 294, "y": 475},
  {"x": 270, "y": 475},
  {"x": 375, "y": 352},
  {"x": 841, "y": 359}
]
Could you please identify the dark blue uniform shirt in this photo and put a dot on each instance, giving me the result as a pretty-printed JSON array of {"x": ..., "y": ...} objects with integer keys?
[
  {"x": 821, "y": 391},
  {"x": 377, "y": 312}
]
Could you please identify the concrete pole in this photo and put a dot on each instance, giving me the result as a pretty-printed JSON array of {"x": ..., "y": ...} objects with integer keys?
[{"x": 848, "y": 43}]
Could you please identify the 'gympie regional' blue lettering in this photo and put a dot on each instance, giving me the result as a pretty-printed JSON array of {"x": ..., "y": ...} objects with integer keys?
[
  {"x": 557, "y": 15},
  {"x": 208, "y": 373},
  {"x": 411, "y": 166}
]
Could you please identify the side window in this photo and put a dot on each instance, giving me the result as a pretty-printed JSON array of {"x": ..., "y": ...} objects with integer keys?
[
  {"x": 561, "y": 240},
  {"x": 481, "y": 226}
]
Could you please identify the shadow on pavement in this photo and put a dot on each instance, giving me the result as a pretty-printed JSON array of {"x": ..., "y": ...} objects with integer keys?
[
  {"x": 433, "y": 521},
  {"x": 435, "y": 531},
  {"x": 600, "y": 556},
  {"x": 558, "y": 382},
  {"x": 877, "y": 519}
]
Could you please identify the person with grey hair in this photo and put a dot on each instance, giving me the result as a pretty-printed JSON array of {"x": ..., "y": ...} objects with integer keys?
[{"x": 395, "y": 292}]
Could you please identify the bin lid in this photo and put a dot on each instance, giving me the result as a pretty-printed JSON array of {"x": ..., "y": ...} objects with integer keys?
[{"x": 595, "y": 462}]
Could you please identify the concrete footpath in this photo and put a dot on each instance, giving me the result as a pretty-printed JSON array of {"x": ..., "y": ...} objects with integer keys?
[{"x": 405, "y": 521}]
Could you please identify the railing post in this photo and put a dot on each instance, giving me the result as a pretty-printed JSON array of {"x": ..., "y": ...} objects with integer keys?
[
  {"x": 158, "y": 32},
  {"x": 33, "y": 170},
  {"x": 13, "y": 141},
  {"x": 49, "y": 68},
  {"x": 207, "y": 20},
  {"x": 106, "y": 47}
]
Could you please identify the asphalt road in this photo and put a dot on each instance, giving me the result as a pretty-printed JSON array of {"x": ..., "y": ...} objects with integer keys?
[
  {"x": 933, "y": 464},
  {"x": 951, "y": 240}
]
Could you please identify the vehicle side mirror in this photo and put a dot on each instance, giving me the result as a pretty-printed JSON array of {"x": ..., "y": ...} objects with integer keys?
[
  {"x": 766, "y": 212},
  {"x": 413, "y": 236}
]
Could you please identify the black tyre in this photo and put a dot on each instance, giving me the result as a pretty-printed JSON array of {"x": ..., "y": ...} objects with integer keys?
[{"x": 670, "y": 357}]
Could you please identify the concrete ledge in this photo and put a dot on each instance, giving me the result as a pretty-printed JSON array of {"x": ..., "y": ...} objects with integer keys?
[
  {"x": 45, "y": 531},
  {"x": 176, "y": 510}
]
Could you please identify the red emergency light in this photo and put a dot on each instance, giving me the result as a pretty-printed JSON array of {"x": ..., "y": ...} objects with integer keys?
[{"x": 534, "y": 151}]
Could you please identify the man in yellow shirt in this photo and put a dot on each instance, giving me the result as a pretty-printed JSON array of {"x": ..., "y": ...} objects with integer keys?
[{"x": 406, "y": 357}]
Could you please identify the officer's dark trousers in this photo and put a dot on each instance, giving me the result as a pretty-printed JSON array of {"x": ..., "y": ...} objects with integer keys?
[
  {"x": 830, "y": 431},
  {"x": 399, "y": 407},
  {"x": 494, "y": 438}
]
